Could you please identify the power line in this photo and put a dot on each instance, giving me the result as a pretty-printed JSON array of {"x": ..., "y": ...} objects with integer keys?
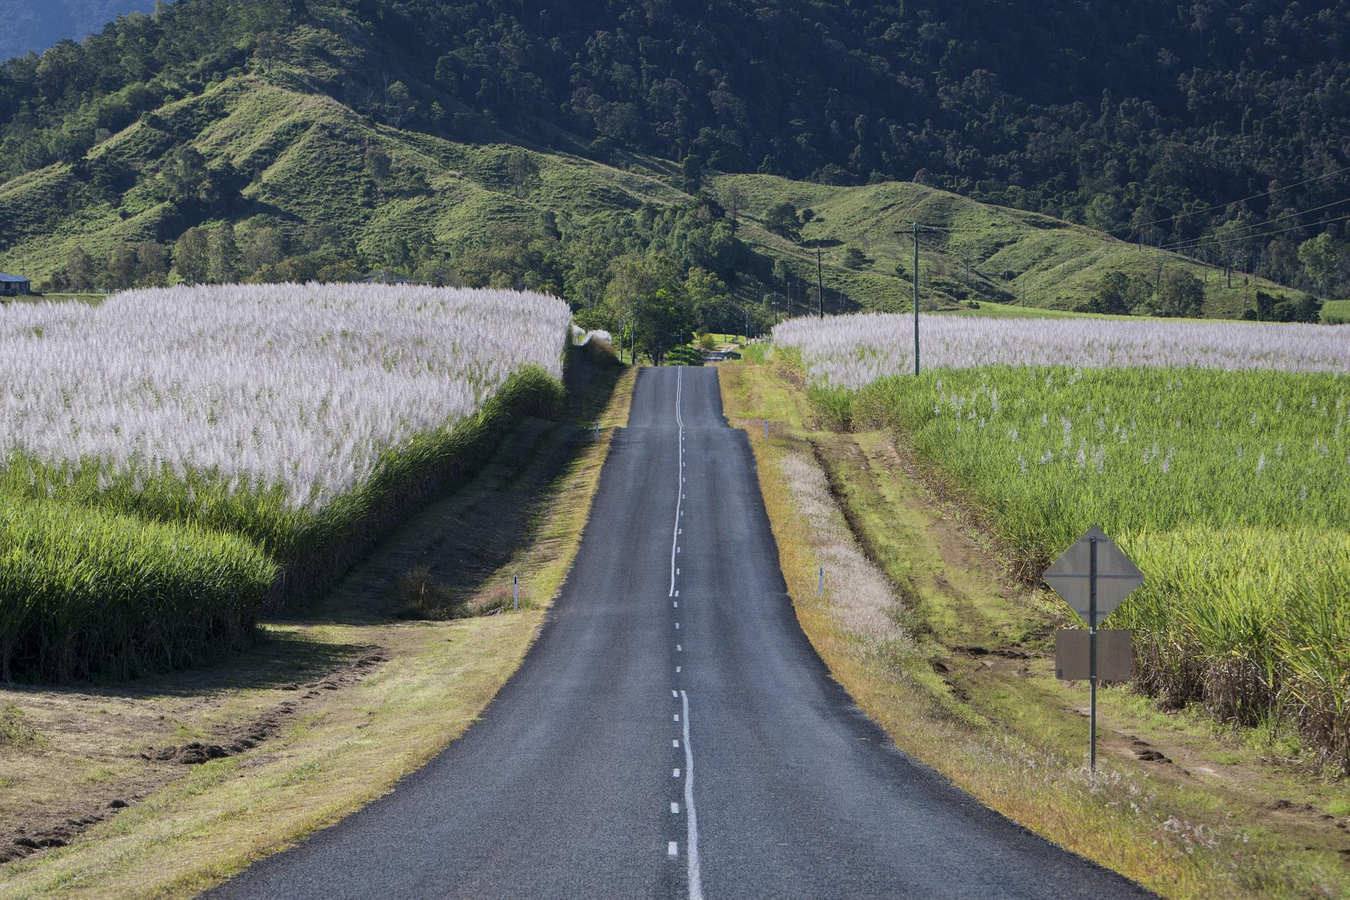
[
  {"x": 1195, "y": 242},
  {"x": 1196, "y": 212},
  {"x": 1266, "y": 234},
  {"x": 1254, "y": 236}
]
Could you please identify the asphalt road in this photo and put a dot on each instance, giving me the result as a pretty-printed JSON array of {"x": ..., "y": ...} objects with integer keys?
[{"x": 673, "y": 733}]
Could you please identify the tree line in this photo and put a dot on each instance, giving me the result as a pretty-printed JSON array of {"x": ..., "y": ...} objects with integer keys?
[
  {"x": 1178, "y": 293},
  {"x": 652, "y": 275}
]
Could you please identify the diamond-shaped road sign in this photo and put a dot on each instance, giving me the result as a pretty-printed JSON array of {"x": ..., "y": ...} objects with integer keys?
[{"x": 1072, "y": 576}]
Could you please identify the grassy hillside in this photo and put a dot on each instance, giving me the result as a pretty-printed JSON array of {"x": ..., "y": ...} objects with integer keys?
[
  {"x": 982, "y": 252},
  {"x": 1148, "y": 137},
  {"x": 305, "y": 157},
  {"x": 1336, "y": 312},
  {"x": 338, "y": 187}
]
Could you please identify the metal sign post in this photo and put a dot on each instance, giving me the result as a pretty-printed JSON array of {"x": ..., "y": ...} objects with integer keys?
[
  {"x": 1093, "y": 576},
  {"x": 1092, "y": 652}
]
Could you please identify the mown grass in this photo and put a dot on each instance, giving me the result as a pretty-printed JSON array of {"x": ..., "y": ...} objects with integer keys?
[
  {"x": 15, "y": 729},
  {"x": 1336, "y": 312},
  {"x": 1009, "y": 311},
  {"x": 1228, "y": 488}
]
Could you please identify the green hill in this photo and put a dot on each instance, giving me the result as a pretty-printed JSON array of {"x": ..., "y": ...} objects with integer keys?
[
  {"x": 337, "y": 188},
  {"x": 310, "y": 167},
  {"x": 1168, "y": 123},
  {"x": 289, "y": 140},
  {"x": 975, "y": 252}
]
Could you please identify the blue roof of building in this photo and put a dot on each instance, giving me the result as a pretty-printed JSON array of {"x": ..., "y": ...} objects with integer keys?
[{"x": 4, "y": 277}]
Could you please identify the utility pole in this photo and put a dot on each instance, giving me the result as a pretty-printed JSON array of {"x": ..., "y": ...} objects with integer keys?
[
  {"x": 820, "y": 284},
  {"x": 916, "y": 229}
]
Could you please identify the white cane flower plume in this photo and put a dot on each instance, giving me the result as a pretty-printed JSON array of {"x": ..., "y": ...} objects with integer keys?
[
  {"x": 298, "y": 387},
  {"x": 851, "y": 351}
]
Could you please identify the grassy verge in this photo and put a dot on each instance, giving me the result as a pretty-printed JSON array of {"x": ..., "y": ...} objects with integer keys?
[
  {"x": 339, "y": 704},
  {"x": 953, "y": 660}
]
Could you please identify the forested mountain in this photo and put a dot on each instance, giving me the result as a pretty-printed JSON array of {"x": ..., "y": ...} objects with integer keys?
[
  {"x": 35, "y": 26},
  {"x": 1148, "y": 120}
]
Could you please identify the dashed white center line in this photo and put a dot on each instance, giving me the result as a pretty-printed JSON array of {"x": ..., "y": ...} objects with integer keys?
[
  {"x": 679, "y": 420},
  {"x": 691, "y": 820},
  {"x": 690, "y": 816}
]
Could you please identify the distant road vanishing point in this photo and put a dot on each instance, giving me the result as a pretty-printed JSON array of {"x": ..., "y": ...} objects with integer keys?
[{"x": 672, "y": 733}]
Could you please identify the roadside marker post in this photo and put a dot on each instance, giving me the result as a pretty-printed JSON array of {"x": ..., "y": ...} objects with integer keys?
[
  {"x": 515, "y": 593},
  {"x": 1093, "y": 576},
  {"x": 822, "y": 582}
]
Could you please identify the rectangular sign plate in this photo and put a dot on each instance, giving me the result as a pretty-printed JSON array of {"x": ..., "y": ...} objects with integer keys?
[{"x": 1115, "y": 655}]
